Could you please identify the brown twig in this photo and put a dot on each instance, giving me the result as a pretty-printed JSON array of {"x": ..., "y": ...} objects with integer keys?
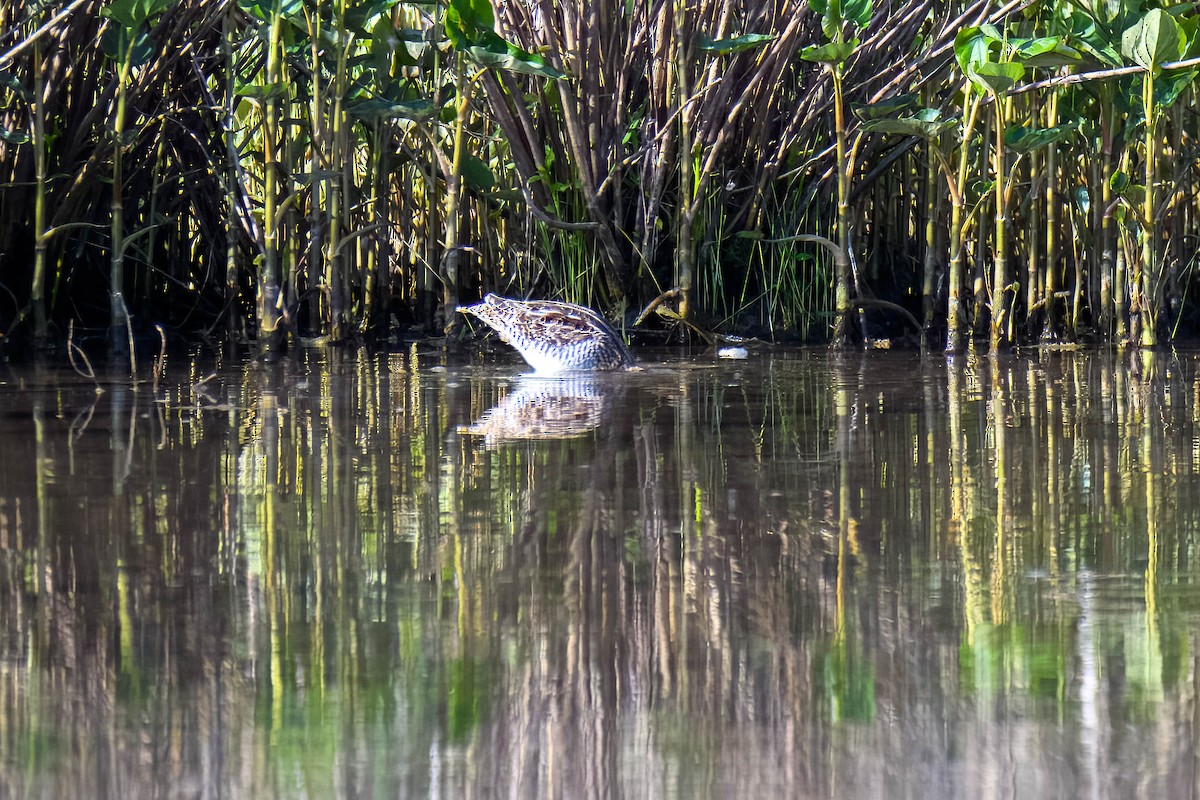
[
  {"x": 72, "y": 349},
  {"x": 670, "y": 294},
  {"x": 161, "y": 362}
]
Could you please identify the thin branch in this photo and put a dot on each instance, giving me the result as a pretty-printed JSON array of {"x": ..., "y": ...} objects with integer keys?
[
  {"x": 670, "y": 294},
  {"x": 1099, "y": 75},
  {"x": 553, "y": 222},
  {"x": 7, "y": 58}
]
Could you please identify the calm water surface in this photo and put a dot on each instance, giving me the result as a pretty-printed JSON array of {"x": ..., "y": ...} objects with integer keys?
[{"x": 802, "y": 575}]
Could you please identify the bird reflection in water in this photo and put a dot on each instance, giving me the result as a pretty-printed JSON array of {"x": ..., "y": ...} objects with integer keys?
[{"x": 546, "y": 408}]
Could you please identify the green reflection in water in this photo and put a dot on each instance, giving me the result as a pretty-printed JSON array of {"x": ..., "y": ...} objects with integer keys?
[{"x": 377, "y": 576}]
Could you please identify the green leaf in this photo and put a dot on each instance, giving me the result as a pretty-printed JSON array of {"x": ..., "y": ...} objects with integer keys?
[
  {"x": 14, "y": 137},
  {"x": 267, "y": 9},
  {"x": 11, "y": 82},
  {"x": 857, "y": 11},
  {"x": 831, "y": 24},
  {"x": 152, "y": 8},
  {"x": 992, "y": 32},
  {"x": 467, "y": 20},
  {"x": 1083, "y": 200},
  {"x": 633, "y": 132},
  {"x": 886, "y": 108},
  {"x": 123, "y": 12},
  {"x": 1047, "y": 52},
  {"x": 1153, "y": 40},
  {"x": 1135, "y": 195},
  {"x": 477, "y": 174},
  {"x": 983, "y": 186},
  {"x": 407, "y": 44},
  {"x": 1025, "y": 139},
  {"x": 259, "y": 91},
  {"x": 315, "y": 176},
  {"x": 1189, "y": 27},
  {"x": 364, "y": 17},
  {"x": 995, "y": 78},
  {"x": 972, "y": 46},
  {"x": 1170, "y": 86},
  {"x": 930, "y": 126},
  {"x": 737, "y": 44},
  {"x": 470, "y": 27},
  {"x": 380, "y": 108},
  {"x": 932, "y": 115},
  {"x": 506, "y": 196},
  {"x": 121, "y": 43},
  {"x": 1119, "y": 181},
  {"x": 1091, "y": 42},
  {"x": 492, "y": 51},
  {"x": 261, "y": 9},
  {"x": 831, "y": 53},
  {"x": 1111, "y": 12}
]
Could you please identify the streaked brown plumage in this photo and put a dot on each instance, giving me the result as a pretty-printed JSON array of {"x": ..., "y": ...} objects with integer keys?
[{"x": 553, "y": 336}]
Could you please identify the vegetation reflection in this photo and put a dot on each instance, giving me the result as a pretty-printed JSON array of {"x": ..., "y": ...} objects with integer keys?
[{"x": 325, "y": 578}]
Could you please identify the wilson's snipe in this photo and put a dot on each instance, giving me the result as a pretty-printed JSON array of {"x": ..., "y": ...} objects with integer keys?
[{"x": 552, "y": 336}]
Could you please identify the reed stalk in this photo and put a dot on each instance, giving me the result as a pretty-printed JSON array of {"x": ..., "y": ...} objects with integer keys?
[
  {"x": 955, "y": 324},
  {"x": 631, "y": 149},
  {"x": 1001, "y": 290},
  {"x": 1050, "y": 192},
  {"x": 841, "y": 262},
  {"x": 38, "y": 285},
  {"x": 451, "y": 250},
  {"x": 268, "y": 272},
  {"x": 117, "y": 307},
  {"x": 1148, "y": 279}
]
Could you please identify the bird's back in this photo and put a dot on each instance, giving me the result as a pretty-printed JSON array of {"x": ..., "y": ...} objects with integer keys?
[{"x": 554, "y": 336}]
